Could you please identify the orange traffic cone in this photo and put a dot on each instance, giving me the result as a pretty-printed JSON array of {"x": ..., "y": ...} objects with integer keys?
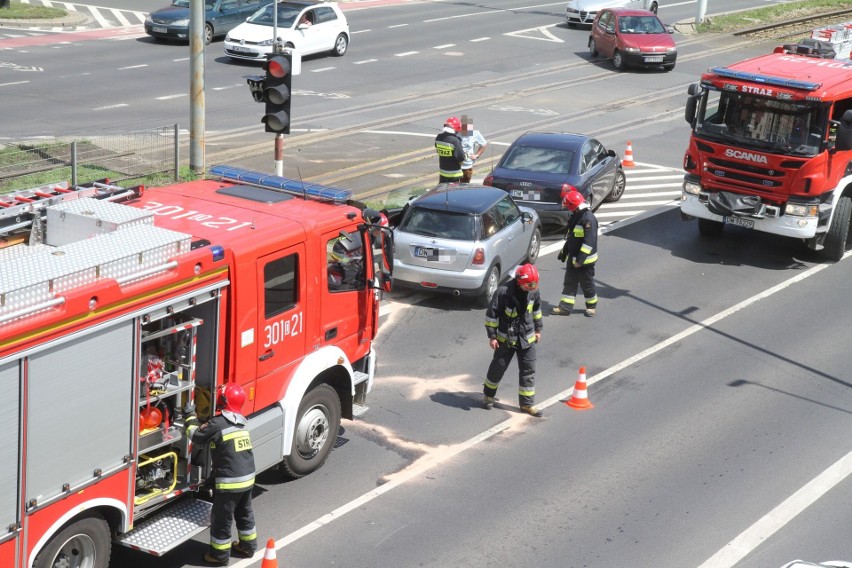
[
  {"x": 628, "y": 162},
  {"x": 580, "y": 398},
  {"x": 270, "y": 560}
]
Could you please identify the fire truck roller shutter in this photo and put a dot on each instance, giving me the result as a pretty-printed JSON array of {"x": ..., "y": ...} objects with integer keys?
[
  {"x": 65, "y": 445},
  {"x": 10, "y": 378}
]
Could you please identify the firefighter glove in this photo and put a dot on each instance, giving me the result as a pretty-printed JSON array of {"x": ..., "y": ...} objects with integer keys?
[{"x": 561, "y": 257}]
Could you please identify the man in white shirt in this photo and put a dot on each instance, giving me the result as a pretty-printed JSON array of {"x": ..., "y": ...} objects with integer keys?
[{"x": 474, "y": 145}]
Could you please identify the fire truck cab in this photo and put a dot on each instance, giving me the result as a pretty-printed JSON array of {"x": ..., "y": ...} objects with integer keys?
[
  {"x": 120, "y": 307},
  {"x": 771, "y": 147}
]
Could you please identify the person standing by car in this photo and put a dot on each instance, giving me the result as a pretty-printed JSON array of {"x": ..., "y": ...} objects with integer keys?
[
  {"x": 514, "y": 323},
  {"x": 474, "y": 144},
  {"x": 448, "y": 144},
  {"x": 581, "y": 252}
]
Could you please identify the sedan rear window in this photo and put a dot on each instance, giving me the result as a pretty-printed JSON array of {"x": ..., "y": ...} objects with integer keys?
[
  {"x": 544, "y": 160},
  {"x": 441, "y": 224}
]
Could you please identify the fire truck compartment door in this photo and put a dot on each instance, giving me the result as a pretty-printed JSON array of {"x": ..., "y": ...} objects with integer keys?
[
  {"x": 78, "y": 390},
  {"x": 10, "y": 378}
]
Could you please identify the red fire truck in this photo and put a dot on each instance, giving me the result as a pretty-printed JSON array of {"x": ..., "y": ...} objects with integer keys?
[
  {"x": 119, "y": 306},
  {"x": 771, "y": 147}
]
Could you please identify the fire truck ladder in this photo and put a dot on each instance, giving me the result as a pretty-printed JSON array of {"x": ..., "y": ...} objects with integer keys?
[{"x": 20, "y": 209}]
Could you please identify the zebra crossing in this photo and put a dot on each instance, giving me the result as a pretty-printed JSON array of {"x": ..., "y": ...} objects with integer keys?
[
  {"x": 649, "y": 186},
  {"x": 94, "y": 17}
]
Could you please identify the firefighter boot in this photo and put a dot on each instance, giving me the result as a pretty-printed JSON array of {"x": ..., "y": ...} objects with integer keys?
[
  {"x": 238, "y": 550},
  {"x": 590, "y": 312},
  {"x": 210, "y": 559},
  {"x": 560, "y": 311},
  {"x": 532, "y": 411},
  {"x": 488, "y": 402}
]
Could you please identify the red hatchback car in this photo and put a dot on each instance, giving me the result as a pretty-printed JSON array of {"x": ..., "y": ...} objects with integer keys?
[{"x": 634, "y": 38}]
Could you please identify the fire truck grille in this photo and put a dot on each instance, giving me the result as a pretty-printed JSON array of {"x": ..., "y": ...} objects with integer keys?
[{"x": 745, "y": 175}]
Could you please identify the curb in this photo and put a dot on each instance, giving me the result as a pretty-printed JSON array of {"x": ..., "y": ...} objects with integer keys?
[{"x": 70, "y": 20}]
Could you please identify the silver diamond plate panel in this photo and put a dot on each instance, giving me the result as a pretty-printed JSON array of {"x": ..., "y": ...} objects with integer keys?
[
  {"x": 80, "y": 219},
  {"x": 174, "y": 525}
]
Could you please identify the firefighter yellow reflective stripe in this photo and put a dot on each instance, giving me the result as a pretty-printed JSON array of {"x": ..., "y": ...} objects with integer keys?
[
  {"x": 443, "y": 149},
  {"x": 490, "y": 385},
  {"x": 531, "y": 338},
  {"x": 567, "y": 300},
  {"x": 235, "y": 483},
  {"x": 248, "y": 535},
  {"x": 220, "y": 544},
  {"x": 537, "y": 315},
  {"x": 579, "y": 231},
  {"x": 241, "y": 439},
  {"x": 490, "y": 322},
  {"x": 585, "y": 248},
  {"x": 511, "y": 312},
  {"x": 526, "y": 392},
  {"x": 590, "y": 259},
  {"x": 592, "y": 301}
]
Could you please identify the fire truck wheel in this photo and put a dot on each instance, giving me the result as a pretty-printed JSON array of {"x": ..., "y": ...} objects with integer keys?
[
  {"x": 710, "y": 228},
  {"x": 838, "y": 233},
  {"x": 84, "y": 543},
  {"x": 316, "y": 432}
]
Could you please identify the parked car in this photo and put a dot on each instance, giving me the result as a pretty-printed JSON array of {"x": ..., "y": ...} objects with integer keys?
[
  {"x": 539, "y": 168},
  {"x": 220, "y": 16},
  {"x": 584, "y": 11},
  {"x": 632, "y": 38},
  {"x": 306, "y": 26},
  {"x": 462, "y": 239},
  {"x": 827, "y": 564}
]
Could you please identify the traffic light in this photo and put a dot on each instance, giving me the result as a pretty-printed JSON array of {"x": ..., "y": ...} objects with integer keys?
[{"x": 276, "y": 92}]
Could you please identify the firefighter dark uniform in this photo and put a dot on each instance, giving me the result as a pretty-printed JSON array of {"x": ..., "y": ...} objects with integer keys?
[
  {"x": 581, "y": 253},
  {"x": 448, "y": 145},
  {"x": 514, "y": 320},
  {"x": 233, "y": 473}
]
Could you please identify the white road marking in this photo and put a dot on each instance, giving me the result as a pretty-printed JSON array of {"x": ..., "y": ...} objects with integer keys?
[
  {"x": 738, "y": 548},
  {"x": 364, "y": 61},
  {"x": 108, "y": 107},
  {"x": 406, "y": 53},
  {"x": 445, "y": 46},
  {"x": 133, "y": 66},
  {"x": 168, "y": 97}
]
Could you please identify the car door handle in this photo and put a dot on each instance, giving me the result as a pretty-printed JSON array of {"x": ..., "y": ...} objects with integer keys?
[{"x": 266, "y": 355}]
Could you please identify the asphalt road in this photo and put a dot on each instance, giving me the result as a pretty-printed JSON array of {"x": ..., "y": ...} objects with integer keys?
[{"x": 718, "y": 371}]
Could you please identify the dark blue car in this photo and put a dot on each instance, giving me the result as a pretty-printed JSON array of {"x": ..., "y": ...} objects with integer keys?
[
  {"x": 540, "y": 167},
  {"x": 220, "y": 17}
]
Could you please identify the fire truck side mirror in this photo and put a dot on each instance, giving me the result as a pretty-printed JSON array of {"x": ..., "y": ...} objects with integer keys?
[{"x": 694, "y": 92}]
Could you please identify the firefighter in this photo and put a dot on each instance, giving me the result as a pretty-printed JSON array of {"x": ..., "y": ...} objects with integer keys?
[
  {"x": 346, "y": 263},
  {"x": 233, "y": 473},
  {"x": 581, "y": 252},
  {"x": 448, "y": 144},
  {"x": 513, "y": 322}
]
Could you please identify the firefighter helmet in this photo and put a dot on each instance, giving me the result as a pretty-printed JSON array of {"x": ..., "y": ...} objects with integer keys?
[
  {"x": 573, "y": 199},
  {"x": 347, "y": 248},
  {"x": 527, "y": 276},
  {"x": 454, "y": 123},
  {"x": 231, "y": 398}
]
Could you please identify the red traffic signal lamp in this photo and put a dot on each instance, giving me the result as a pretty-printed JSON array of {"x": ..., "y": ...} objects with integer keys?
[{"x": 277, "y": 93}]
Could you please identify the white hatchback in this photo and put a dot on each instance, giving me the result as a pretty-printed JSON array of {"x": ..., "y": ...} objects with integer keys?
[
  {"x": 306, "y": 26},
  {"x": 584, "y": 11}
]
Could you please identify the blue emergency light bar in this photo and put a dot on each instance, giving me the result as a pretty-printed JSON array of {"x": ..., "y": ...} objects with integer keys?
[
  {"x": 765, "y": 79},
  {"x": 291, "y": 186}
]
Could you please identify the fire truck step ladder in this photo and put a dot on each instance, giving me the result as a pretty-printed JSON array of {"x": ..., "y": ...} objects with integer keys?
[
  {"x": 166, "y": 530},
  {"x": 17, "y": 207},
  {"x": 359, "y": 409}
]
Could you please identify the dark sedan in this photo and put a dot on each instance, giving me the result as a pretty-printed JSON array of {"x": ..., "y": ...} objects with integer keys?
[
  {"x": 220, "y": 17},
  {"x": 539, "y": 168}
]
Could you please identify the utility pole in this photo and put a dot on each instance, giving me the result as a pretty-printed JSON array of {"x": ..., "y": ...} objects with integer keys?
[
  {"x": 196, "y": 85},
  {"x": 702, "y": 9}
]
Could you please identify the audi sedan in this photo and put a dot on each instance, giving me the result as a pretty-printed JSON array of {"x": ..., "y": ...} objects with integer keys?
[
  {"x": 462, "y": 239},
  {"x": 632, "y": 38},
  {"x": 220, "y": 16},
  {"x": 539, "y": 168}
]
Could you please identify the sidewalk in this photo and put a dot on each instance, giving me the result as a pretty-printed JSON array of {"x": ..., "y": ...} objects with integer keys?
[{"x": 71, "y": 19}]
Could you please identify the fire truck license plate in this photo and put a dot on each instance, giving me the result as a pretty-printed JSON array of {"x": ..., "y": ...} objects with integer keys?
[
  {"x": 654, "y": 59},
  {"x": 740, "y": 222}
]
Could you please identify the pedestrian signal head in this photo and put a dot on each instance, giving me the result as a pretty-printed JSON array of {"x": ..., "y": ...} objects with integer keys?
[
  {"x": 527, "y": 277},
  {"x": 231, "y": 397},
  {"x": 454, "y": 123},
  {"x": 572, "y": 200}
]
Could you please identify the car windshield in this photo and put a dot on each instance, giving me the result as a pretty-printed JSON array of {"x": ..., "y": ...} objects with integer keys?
[
  {"x": 543, "y": 160},
  {"x": 287, "y": 14},
  {"x": 442, "y": 224},
  {"x": 640, "y": 25}
]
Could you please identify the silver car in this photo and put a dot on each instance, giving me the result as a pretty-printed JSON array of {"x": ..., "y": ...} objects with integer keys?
[
  {"x": 463, "y": 239},
  {"x": 583, "y": 12}
]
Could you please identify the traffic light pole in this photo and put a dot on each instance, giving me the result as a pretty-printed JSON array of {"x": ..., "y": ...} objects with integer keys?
[
  {"x": 196, "y": 86},
  {"x": 279, "y": 154}
]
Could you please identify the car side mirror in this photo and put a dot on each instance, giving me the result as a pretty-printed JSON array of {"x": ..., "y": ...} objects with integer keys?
[
  {"x": 527, "y": 217},
  {"x": 610, "y": 153},
  {"x": 670, "y": 29}
]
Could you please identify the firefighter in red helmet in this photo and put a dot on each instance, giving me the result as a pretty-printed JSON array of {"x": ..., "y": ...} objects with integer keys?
[
  {"x": 513, "y": 322},
  {"x": 448, "y": 145},
  {"x": 233, "y": 474},
  {"x": 581, "y": 253}
]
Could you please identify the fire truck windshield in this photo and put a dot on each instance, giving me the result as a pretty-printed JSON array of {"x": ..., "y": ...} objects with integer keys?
[{"x": 786, "y": 127}]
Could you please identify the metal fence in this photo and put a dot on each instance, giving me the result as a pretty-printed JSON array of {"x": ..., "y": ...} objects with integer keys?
[{"x": 119, "y": 157}]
